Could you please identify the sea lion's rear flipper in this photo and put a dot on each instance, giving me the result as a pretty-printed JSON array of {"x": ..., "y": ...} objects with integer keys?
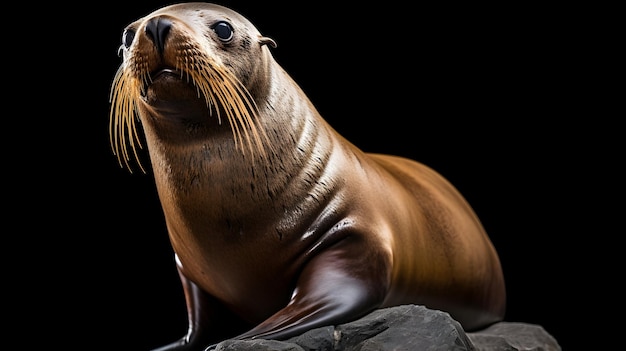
[{"x": 341, "y": 283}]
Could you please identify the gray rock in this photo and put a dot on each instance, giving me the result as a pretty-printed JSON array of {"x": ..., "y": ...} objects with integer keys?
[
  {"x": 257, "y": 345},
  {"x": 408, "y": 327},
  {"x": 514, "y": 336}
]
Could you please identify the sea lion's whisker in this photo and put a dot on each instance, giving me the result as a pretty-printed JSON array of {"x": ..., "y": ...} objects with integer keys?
[
  {"x": 203, "y": 81},
  {"x": 224, "y": 99},
  {"x": 222, "y": 89},
  {"x": 123, "y": 132}
]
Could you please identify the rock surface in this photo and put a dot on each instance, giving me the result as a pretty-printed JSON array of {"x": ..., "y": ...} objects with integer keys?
[{"x": 408, "y": 327}]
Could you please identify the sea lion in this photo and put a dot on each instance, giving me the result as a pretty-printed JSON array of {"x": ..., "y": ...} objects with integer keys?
[{"x": 278, "y": 223}]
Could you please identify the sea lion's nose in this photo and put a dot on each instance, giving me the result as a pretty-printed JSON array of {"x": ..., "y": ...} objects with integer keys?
[{"x": 157, "y": 30}]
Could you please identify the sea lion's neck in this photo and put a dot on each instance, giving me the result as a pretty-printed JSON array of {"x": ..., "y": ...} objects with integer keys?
[{"x": 301, "y": 141}]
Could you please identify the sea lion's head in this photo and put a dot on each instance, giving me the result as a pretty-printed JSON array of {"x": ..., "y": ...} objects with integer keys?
[{"x": 185, "y": 68}]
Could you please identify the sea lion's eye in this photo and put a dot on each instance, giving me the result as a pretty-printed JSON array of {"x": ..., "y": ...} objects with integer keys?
[
  {"x": 127, "y": 37},
  {"x": 223, "y": 30}
]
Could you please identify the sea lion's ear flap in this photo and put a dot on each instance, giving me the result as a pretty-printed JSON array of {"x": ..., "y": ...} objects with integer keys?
[{"x": 267, "y": 41}]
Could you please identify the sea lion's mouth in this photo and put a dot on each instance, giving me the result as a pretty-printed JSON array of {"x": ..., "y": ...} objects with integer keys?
[
  {"x": 168, "y": 84},
  {"x": 156, "y": 74}
]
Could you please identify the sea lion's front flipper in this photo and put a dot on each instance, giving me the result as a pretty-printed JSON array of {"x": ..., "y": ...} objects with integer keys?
[
  {"x": 209, "y": 320},
  {"x": 341, "y": 283}
]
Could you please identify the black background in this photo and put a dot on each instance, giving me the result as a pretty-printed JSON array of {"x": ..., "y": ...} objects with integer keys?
[{"x": 495, "y": 98}]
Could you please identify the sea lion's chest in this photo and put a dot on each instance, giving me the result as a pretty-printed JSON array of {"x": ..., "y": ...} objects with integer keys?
[{"x": 236, "y": 243}]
